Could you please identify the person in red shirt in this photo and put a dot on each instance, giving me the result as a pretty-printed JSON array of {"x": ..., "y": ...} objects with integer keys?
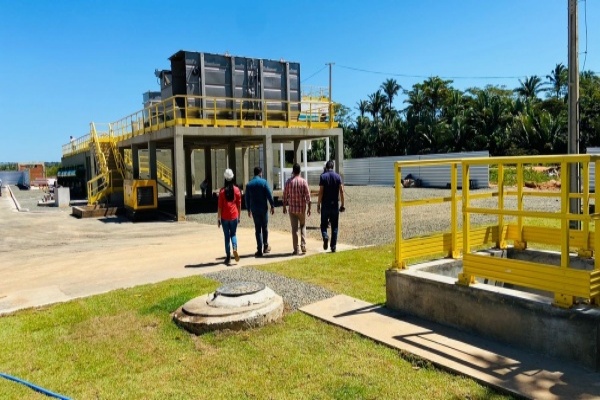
[
  {"x": 230, "y": 206},
  {"x": 296, "y": 196}
]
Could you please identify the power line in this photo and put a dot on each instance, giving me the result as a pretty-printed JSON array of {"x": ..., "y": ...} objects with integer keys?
[
  {"x": 429, "y": 76},
  {"x": 305, "y": 79}
]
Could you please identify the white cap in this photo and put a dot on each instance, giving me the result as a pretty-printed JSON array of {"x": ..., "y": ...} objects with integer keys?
[{"x": 228, "y": 174}]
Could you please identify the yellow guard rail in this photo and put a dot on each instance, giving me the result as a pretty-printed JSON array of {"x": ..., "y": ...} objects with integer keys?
[{"x": 565, "y": 282}]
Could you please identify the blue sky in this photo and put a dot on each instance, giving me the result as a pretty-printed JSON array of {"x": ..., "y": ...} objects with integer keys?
[{"x": 64, "y": 64}]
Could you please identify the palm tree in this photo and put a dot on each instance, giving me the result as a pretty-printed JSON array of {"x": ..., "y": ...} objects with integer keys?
[
  {"x": 436, "y": 91},
  {"x": 558, "y": 79},
  {"x": 377, "y": 102},
  {"x": 530, "y": 87},
  {"x": 363, "y": 107},
  {"x": 391, "y": 88}
]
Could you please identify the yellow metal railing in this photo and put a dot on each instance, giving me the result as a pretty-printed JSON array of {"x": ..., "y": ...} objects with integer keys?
[
  {"x": 163, "y": 173},
  {"x": 101, "y": 183},
  {"x": 77, "y": 145},
  {"x": 565, "y": 282},
  {"x": 226, "y": 111},
  {"x": 311, "y": 112},
  {"x": 119, "y": 162}
]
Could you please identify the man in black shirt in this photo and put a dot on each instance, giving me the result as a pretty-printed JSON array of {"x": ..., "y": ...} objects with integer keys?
[{"x": 331, "y": 191}]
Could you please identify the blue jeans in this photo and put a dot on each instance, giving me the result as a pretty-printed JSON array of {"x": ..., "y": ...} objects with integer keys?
[
  {"x": 229, "y": 229},
  {"x": 330, "y": 215},
  {"x": 261, "y": 231}
]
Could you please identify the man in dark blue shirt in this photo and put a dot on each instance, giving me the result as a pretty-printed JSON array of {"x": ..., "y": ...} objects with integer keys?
[
  {"x": 258, "y": 193},
  {"x": 331, "y": 191}
]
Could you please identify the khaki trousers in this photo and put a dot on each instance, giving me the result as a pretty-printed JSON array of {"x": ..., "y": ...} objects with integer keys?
[{"x": 298, "y": 219}]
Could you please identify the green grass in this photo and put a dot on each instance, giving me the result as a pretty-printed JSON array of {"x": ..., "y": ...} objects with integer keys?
[
  {"x": 123, "y": 345},
  {"x": 510, "y": 176}
]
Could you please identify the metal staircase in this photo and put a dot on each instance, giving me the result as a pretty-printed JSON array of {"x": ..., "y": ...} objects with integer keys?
[
  {"x": 109, "y": 165},
  {"x": 164, "y": 174}
]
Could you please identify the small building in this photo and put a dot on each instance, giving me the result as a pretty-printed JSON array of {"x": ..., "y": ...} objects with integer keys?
[{"x": 37, "y": 170}]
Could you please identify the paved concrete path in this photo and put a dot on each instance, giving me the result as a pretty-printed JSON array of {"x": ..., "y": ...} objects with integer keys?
[
  {"x": 48, "y": 257},
  {"x": 500, "y": 366}
]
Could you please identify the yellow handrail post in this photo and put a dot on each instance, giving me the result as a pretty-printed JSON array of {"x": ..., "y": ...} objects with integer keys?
[
  {"x": 585, "y": 252},
  {"x": 241, "y": 114},
  {"x": 185, "y": 110},
  {"x": 564, "y": 209},
  {"x": 214, "y": 111},
  {"x": 561, "y": 299},
  {"x": 596, "y": 299},
  {"x": 454, "y": 251},
  {"x": 520, "y": 244},
  {"x": 399, "y": 263},
  {"x": 266, "y": 113},
  {"x": 501, "y": 243},
  {"x": 464, "y": 278}
]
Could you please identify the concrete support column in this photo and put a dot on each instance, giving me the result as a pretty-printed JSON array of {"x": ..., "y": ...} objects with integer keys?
[
  {"x": 135, "y": 161},
  {"x": 245, "y": 165},
  {"x": 297, "y": 152},
  {"x": 189, "y": 172},
  {"x": 305, "y": 159},
  {"x": 208, "y": 169},
  {"x": 339, "y": 153},
  {"x": 268, "y": 167},
  {"x": 152, "y": 164},
  {"x": 179, "y": 175},
  {"x": 281, "y": 166},
  {"x": 232, "y": 162}
]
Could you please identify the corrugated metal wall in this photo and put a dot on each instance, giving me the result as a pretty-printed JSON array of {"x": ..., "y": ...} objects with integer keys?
[
  {"x": 14, "y": 177},
  {"x": 379, "y": 171}
]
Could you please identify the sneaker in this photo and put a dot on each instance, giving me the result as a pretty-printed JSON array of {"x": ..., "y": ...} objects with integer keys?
[
  {"x": 325, "y": 243},
  {"x": 236, "y": 256},
  {"x": 258, "y": 254},
  {"x": 295, "y": 253},
  {"x": 267, "y": 249},
  {"x": 227, "y": 260},
  {"x": 303, "y": 249},
  {"x": 332, "y": 249}
]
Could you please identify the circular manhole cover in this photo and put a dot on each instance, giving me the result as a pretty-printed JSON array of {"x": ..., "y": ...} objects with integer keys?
[{"x": 239, "y": 289}]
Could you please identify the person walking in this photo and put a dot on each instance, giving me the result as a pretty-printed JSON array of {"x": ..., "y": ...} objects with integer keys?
[
  {"x": 228, "y": 214},
  {"x": 296, "y": 196},
  {"x": 0, "y": 187},
  {"x": 257, "y": 194},
  {"x": 331, "y": 191}
]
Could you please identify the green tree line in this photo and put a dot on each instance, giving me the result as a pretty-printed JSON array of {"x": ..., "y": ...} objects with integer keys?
[{"x": 437, "y": 118}]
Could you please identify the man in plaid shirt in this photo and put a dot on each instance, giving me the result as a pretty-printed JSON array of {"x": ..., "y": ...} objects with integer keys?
[{"x": 296, "y": 195}]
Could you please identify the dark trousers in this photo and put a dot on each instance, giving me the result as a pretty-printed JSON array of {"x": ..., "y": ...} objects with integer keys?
[
  {"x": 330, "y": 215},
  {"x": 261, "y": 220}
]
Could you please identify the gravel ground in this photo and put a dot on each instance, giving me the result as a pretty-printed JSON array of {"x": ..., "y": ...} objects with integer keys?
[
  {"x": 369, "y": 217},
  {"x": 295, "y": 293}
]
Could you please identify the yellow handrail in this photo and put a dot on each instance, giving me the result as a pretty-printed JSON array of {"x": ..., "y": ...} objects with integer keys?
[
  {"x": 99, "y": 186},
  {"x": 244, "y": 112},
  {"x": 163, "y": 172},
  {"x": 565, "y": 282}
]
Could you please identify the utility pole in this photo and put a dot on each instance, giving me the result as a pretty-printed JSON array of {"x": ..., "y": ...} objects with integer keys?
[
  {"x": 330, "y": 111},
  {"x": 574, "y": 186}
]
